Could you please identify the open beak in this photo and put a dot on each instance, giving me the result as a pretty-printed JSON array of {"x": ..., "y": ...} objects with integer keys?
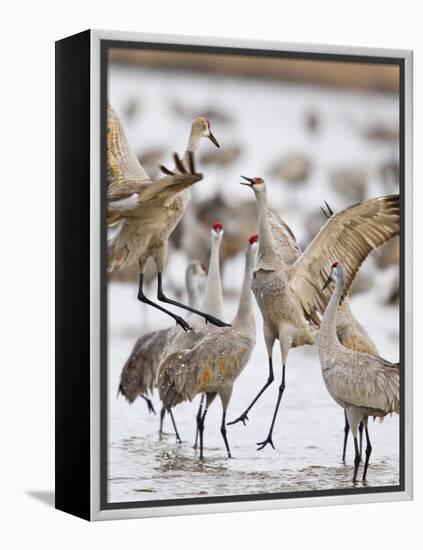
[
  {"x": 250, "y": 180},
  {"x": 213, "y": 139},
  {"x": 328, "y": 280}
]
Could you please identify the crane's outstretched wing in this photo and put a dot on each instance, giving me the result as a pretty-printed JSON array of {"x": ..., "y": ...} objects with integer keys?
[
  {"x": 286, "y": 245},
  {"x": 125, "y": 175},
  {"x": 175, "y": 180},
  {"x": 348, "y": 237},
  {"x": 157, "y": 192},
  {"x": 374, "y": 383}
]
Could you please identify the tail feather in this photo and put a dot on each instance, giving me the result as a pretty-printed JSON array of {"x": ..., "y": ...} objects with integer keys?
[
  {"x": 139, "y": 372},
  {"x": 171, "y": 390}
]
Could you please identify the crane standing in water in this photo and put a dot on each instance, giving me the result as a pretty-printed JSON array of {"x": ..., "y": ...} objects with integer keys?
[
  {"x": 139, "y": 374},
  {"x": 212, "y": 303},
  {"x": 215, "y": 362},
  {"x": 363, "y": 384},
  {"x": 354, "y": 336}
]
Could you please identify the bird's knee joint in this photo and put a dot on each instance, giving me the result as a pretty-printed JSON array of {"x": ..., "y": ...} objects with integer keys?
[
  {"x": 282, "y": 387},
  {"x": 223, "y": 430},
  {"x": 270, "y": 379}
]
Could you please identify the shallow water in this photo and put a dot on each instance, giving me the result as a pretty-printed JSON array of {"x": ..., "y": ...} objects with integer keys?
[{"x": 308, "y": 435}]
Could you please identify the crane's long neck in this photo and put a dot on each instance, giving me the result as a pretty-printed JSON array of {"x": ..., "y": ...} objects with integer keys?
[
  {"x": 344, "y": 313},
  {"x": 193, "y": 290},
  {"x": 213, "y": 295},
  {"x": 267, "y": 250},
  {"x": 192, "y": 145},
  {"x": 328, "y": 336},
  {"x": 244, "y": 318}
]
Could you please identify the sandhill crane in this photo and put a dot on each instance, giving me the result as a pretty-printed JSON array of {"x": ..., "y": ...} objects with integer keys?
[
  {"x": 288, "y": 294},
  {"x": 352, "y": 335},
  {"x": 363, "y": 384},
  {"x": 212, "y": 303},
  {"x": 148, "y": 211},
  {"x": 214, "y": 363},
  {"x": 139, "y": 374},
  {"x": 213, "y": 296}
]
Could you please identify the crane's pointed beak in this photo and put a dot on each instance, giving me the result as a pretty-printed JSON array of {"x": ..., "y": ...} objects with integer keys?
[
  {"x": 328, "y": 280},
  {"x": 213, "y": 139},
  {"x": 250, "y": 180}
]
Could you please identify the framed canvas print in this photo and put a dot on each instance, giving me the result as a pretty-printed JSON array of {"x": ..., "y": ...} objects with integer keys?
[{"x": 233, "y": 275}]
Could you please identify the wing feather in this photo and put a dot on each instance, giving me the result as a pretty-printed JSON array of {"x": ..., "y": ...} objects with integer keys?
[
  {"x": 286, "y": 245},
  {"x": 125, "y": 175},
  {"x": 374, "y": 383},
  {"x": 349, "y": 237}
]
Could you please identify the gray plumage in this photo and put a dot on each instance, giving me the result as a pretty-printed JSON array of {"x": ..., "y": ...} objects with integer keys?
[
  {"x": 289, "y": 293},
  {"x": 139, "y": 374},
  {"x": 147, "y": 211},
  {"x": 215, "y": 361},
  {"x": 362, "y": 384}
]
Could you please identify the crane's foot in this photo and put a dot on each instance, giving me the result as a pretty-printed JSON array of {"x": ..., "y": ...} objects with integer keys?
[
  {"x": 267, "y": 441},
  {"x": 243, "y": 418},
  {"x": 182, "y": 323},
  {"x": 215, "y": 321}
]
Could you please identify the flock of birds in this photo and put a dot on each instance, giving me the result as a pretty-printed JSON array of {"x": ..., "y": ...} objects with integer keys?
[{"x": 302, "y": 296}]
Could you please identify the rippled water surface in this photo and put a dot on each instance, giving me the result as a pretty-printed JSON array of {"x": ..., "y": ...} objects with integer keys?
[{"x": 308, "y": 435}]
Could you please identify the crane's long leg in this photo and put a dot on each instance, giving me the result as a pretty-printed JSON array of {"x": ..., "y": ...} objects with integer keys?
[
  {"x": 199, "y": 413},
  {"x": 162, "y": 415},
  {"x": 162, "y": 298},
  {"x": 149, "y": 404},
  {"x": 143, "y": 298},
  {"x": 244, "y": 416},
  {"x": 357, "y": 459},
  {"x": 368, "y": 453},
  {"x": 178, "y": 439},
  {"x": 209, "y": 399},
  {"x": 268, "y": 439},
  {"x": 223, "y": 432},
  {"x": 346, "y": 430},
  {"x": 360, "y": 433},
  {"x": 200, "y": 425}
]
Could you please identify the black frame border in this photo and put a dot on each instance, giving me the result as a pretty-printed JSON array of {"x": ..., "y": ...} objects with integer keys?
[
  {"x": 105, "y": 45},
  {"x": 72, "y": 275}
]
